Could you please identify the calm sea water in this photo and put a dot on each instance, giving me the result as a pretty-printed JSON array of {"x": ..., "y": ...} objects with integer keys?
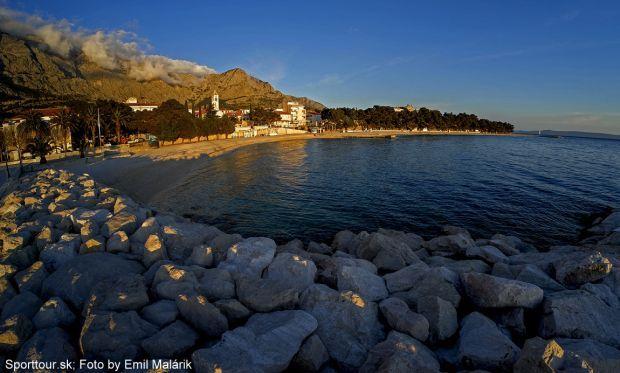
[{"x": 538, "y": 189}]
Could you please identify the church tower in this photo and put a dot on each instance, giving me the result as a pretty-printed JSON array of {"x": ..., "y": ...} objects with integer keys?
[{"x": 215, "y": 102}]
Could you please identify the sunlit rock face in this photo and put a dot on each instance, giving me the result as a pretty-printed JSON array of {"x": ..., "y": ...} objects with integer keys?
[{"x": 103, "y": 277}]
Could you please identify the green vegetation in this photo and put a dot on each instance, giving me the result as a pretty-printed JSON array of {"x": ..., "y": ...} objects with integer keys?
[
  {"x": 385, "y": 117},
  {"x": 262, "y": 116},
  {"x": 37, "y": 133}
]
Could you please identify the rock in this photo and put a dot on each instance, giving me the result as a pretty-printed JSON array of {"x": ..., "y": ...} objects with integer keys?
[
  {"x": 534, "y": 275},
  {"x": 311, "y": 355},
  {"x": 216, "y": 284},
  {"x": 347, "y": 324},
  {"x": 329, "y": 267},
  {"x": 7, "y": 292},
  {"x": 441, "y": 316},
  {"x": 489, "y": 253},
  {"x": 56, "y": 255},
  {"x": 387, "y": 253},
  {"x": 172, "y": 341},
  {"x": 31, "y": 279},
  {"x": 450, "y": 245},
  {"x": 123, "y": 221},
  {"x": 266, "y": 295},
  {"x": 149, "y": 227},
  {"x": 567, "y": 355},
  {"x": 154, "y": 250},
  {"x": 267, "y": 343},
  {"x": 494, "y": 292},
  {"x": 406, "y": 278},
  {"x": 343, "y": 241},
  {"x": 93, "y": 245},
  {"x": 118, "y": 243},
  {"x": 608, "y": 225},
  {"x": 201, "y": 314},
  {"x": 81, "y": 217},
  {"x": 319, "y": 248},
  {"x": 602, "y": 292},
  {"x": 579, "y": 314},
  {"x": 234, "y": 310},
  {"x": 170, "y": 289},
  {"x": 371, "y": 287},
  {"x": 506, "y": 244},
  {"x": 54, "y": 312},
  {"x": 114, "y": 336},
  {"x": 74, "y": 281},
  {"x": 175, "y": 273},
  {"x": 124, "y": 293},
  {"x": 44, "y": 238},
  {"x": 580, "y": 268},
  {"x": 89, "y": 230},
  {"x": 292, "y": 270},
  {"x": 437, "y": 281},
  {"x": 249, "y": 257},
  {"x": 411, "y": 239},
  {"x": 24, "y": 303},
  {"x": 14, "y": 331},
  {"x": 7, "y": 271},
  {"x": 48, "y": 345},
  {"x": 202, "y": 255},
  {"x": 181, "y": 238},
  {"x": 160, "y": 313},
  {"x": 400, "y": 318},
  {"x": 220, "y": 245},
  {"x": 400, "y": 353},
  {"x": 483, "y": 346}
]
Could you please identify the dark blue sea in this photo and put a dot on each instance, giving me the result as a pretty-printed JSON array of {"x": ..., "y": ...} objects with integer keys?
[{"x": 539, "y": 189}]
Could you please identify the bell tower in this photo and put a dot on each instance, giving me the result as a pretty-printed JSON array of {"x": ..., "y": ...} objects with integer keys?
[{"x": 215, "y": 102}]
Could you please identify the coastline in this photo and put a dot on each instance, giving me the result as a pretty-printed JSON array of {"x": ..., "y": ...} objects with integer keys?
[{"x": 147, "y": 174}]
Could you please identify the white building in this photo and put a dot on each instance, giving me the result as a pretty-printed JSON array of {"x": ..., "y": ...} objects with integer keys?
[
  {"x": 292, "y": 115},
  {"x": 215, "y": 105},
  {"x": 133, "y": 103}
]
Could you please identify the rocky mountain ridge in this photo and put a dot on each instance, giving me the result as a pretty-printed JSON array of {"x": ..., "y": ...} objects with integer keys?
[{"x": 30, "y": 74}]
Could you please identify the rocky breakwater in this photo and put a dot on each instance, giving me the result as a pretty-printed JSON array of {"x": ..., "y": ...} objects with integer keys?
[{"x": 88, "y": 273}]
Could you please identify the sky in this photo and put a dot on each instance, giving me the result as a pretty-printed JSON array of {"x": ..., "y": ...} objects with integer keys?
[{"x": 537, "y": 64}]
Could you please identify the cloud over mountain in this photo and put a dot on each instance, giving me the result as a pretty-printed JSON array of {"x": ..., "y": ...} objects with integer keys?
[{"x": 114, "y": 50}]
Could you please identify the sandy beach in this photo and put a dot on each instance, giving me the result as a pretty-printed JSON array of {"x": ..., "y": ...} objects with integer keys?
[{"x": 148, "y": 174}]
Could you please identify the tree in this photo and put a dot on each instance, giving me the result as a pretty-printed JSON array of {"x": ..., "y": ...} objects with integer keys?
[
  {"x": 120, "y": 117},
  {"x": 37, "y": 132},
  {"x": 171, "y": 120},
  {"x": 12, "y": 139},
  {"x": 60, "y": 120},
  {"x": 4, "y": 150},
  {"x": 79, "y": 131},
  {"x": 90, "y": 117},
  {"x": 263, "y": 117}
]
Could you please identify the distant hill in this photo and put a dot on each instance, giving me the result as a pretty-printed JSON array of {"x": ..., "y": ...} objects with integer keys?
[
  {"x": 588, "y": 135},
  {"x": 30, "y": 74}
]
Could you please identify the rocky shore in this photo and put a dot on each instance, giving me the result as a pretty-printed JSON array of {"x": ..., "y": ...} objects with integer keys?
[{"x": 87, "y": 273}]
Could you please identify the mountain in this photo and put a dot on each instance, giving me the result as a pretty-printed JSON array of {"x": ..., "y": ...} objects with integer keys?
[{"x": 31, "y": 75}]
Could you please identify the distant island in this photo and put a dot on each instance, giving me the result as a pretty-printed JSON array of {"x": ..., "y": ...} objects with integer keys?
[{"x": 587, "y": 135}]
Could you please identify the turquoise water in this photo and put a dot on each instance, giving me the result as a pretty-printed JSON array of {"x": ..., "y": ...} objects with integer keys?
[{"x": 539, "y": 189}]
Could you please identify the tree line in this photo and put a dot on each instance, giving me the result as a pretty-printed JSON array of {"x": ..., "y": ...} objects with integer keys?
[
  {"x": 117, "y": 122},
  {"x": 385, "y": 117}
]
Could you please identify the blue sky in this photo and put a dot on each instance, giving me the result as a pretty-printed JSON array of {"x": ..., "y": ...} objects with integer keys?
[{"x": 538, "y": 64}]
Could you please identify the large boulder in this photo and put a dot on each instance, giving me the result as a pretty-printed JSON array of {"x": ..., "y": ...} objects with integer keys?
[
  {"x": 153, "y": 250},
  {"x": 74, "y": 281},
  {"x": 7, "y": 292},
  {"x": 400, "y": 318},
  {"x": 405, "y": 278},
  {"x": 488, "y": 253},
  {"x": 411, "y": 239},
  {"x": 202, "y": 255},
  {"x": 495, "y": 292},
  {"x": 234, "y": 310},
  {"x": 48, "y": 345},
  {"x": 579, "y": 314},
  {"x": 400, "y": 353},
  {"x": 114, "y": 336},
  {"x": 441, "y": 316},
  {"x": 452, "y": 244},
  {"x": 201, "y": 314},
  {"x": 181, "y": 238},
  {"x": 311, "y": 356},
  {"x": 31, "y": 278},
  {"x": 124, "y": 293},
  {"x": 123, "y": 221},
  {"x": 608, "y": 225},
  {"x": 534, "y": 275},
  {"x": 25, "y": 303},
  {"x": 172, "y": 341},
  {"x": 216, "y": 283},
  {"x": 437, "y": 281},
  {"x": 580, "y": 268},
  {"x": 347, "y": 324},
  {"x": 292, "y": 270},
  {"x": 567, "y": 355},
  {"x": 54, "y": 312},
  {"x": 483, "y": 346},
  {"x": 160, "y": 313},
  {"x": 266, "y": 295},
  {"x": 57, "y": 254},
  {"x": 387, "y": 253},
  {"x": 249, "y": 257},
  {"x": 149, "y": 226},
  {"x": 267, "y": 343},
  {"x": 370, "y": 286}
]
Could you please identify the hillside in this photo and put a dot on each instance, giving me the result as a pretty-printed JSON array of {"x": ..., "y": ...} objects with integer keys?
[{"x": 30, "y": 74}]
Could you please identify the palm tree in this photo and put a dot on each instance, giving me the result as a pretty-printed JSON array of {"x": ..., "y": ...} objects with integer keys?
[
  {"x": 60, "y": 119},
  {"x": 79, "y": 129},
  {"x": 90, "y": 117},
  {"x": 119, "y": 117},
  {"x": 37, "y": 132},
  {"x": 4, "y": 147}
]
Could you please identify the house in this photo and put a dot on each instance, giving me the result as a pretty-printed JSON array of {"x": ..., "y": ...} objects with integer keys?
[
  {"x": 292, "y": 115},
  {"x": 133, "y": 103}
]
